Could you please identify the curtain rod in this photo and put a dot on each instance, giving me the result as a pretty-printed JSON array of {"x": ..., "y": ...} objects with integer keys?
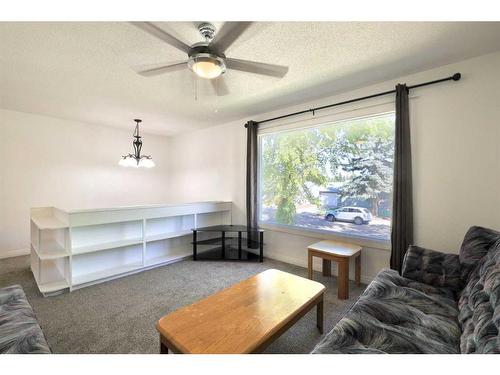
[{"x": 454, "y": 77}]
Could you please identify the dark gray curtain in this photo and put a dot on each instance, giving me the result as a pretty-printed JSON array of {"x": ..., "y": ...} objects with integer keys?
[
  {"x": 252, "y": 180},
  {"x": 402, "y": 201}
]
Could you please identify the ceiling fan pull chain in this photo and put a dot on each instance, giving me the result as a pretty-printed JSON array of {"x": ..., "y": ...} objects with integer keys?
[
  {"x": 217, "y": 84},
  {"x": 195, "y": 89}
]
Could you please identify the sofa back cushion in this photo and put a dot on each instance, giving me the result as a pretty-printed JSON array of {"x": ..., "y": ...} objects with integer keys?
[
  {"x": 479, "y": 305},
  {"x": 475, "y": 246},
  {"x": 432, "y": 267}
]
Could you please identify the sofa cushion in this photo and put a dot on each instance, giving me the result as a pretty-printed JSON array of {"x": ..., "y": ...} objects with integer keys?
[
  {"x": 397, "y": 315},
  {"x": 475, "y": 246},
  {"x": 19, "y": 329},
  {"x": 432, "y": 267},
  {"x": 479, "y": 306}
]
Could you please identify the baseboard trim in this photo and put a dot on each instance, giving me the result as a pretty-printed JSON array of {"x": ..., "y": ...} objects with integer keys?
[
  {"x": 14, "y": 253},
  {"x": 291, "y": 260}
]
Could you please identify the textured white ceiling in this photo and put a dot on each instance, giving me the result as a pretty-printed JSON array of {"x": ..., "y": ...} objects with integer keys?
[{"x": 84, "y": 71}]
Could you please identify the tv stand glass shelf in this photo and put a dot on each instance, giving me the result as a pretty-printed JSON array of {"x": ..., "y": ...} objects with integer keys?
[{"x": 228, "y": 242}]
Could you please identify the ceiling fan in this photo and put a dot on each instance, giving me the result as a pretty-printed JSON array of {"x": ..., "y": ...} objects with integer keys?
[{"x": 207, "y": 59}]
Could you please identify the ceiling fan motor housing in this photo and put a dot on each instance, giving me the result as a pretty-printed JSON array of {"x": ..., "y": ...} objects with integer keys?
[{"x": 207, "y": 30}]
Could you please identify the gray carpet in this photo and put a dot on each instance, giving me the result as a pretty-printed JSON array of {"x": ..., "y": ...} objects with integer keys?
[{"x": 119, "y": 316}]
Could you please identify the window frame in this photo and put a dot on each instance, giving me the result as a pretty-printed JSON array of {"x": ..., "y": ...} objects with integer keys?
[{"x": 358, "y": 113}]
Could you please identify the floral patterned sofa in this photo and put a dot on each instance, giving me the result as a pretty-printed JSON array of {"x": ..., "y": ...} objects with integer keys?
[
  {"x": 442, "y": 303},
  {"x": 19, "y": 329}
]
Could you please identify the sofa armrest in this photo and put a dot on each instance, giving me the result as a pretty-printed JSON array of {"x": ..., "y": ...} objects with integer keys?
[{"x": 432, "y": 267}]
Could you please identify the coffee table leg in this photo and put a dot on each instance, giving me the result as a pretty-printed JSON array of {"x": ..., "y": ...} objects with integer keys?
[
  {"x": 163, "y": 348},
  {"x": 343, "y": 279},
  {"x": 357, "y": 270},
  {"x": 309, "y": 265},
  {"x": 319, "y": 315}
]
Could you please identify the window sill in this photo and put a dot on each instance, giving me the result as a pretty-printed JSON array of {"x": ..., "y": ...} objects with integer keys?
[{"x": 327, "y": 235}]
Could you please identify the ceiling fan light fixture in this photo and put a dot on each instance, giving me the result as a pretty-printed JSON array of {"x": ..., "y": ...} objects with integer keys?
[{"x": 206, "y": 65}]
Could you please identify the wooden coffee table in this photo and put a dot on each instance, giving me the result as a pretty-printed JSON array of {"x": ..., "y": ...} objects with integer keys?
[
  {"x": 341, "y": 253},
  {"x": 244, "y": 318}
]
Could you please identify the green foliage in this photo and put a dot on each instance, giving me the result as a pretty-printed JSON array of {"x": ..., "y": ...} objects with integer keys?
[
  {"x": 367, "y": 156},
  {"x": 358, "y": 153},
  {"x": 290, "y": 168}
]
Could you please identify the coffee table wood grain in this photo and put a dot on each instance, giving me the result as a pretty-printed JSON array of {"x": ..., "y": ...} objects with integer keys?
[{"x": 244, "y": 318}]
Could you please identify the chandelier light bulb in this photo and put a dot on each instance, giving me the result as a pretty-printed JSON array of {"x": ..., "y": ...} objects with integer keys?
[
  {"x": 123, "y": 162},
  {"x": 147, "y": 163},
  {"x": 131, "y": 162}
]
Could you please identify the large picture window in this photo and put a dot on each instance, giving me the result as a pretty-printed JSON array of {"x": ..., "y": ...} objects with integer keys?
[{"x": 335, "y": 177}]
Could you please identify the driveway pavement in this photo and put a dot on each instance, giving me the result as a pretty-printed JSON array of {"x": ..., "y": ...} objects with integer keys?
[{"x": 378, "y": 228}]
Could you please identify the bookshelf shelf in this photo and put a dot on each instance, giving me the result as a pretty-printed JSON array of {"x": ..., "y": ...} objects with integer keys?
[{"x": 106, "y": 245}]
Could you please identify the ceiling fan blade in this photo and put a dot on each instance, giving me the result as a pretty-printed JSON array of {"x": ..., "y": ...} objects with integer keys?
[
  {"x": 257, "y": 67},
  {"x": 154, "y": 30},
  {"x": 154, "y": 70},
  {"x": 228, "y": 33},
  {"x": 220, "y": 87}
]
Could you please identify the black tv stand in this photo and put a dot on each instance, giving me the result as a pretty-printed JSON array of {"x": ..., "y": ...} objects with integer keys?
[{"x": 227, "y": 246}]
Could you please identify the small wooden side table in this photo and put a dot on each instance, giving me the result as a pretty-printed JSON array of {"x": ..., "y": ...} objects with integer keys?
[{"x": 341, "y": 253}]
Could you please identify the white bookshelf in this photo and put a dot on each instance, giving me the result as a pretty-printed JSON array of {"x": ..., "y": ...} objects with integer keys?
[{"x": 71, "y": 249}]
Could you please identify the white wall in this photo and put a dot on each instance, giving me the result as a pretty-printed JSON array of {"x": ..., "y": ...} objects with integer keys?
[
  {"x": 456, "y": 161},
  {"x": 53, "y": 162}
]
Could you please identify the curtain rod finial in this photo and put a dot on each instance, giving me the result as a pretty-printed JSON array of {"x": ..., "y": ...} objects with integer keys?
[
  {"x": 456, "y": 76},
  {"x": 251, "y": 122}
]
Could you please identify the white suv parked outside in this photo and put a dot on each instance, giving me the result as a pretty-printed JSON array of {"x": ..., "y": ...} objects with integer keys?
[{"x": 356, "y": 215}]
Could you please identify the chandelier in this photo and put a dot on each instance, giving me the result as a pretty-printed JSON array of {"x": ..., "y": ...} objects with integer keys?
[{"x": 136, "y": 159}]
